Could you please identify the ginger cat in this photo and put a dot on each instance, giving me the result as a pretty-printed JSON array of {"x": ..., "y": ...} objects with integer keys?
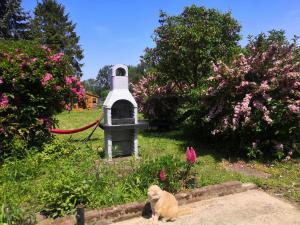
[{"x": 163, "y": 204}]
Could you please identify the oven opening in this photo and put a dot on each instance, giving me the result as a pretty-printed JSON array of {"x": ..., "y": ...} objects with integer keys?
[{"x": 122, "y": 112}]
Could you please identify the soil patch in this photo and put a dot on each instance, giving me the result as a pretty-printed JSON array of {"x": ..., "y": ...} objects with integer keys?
[{"x": 245, "y": 169}]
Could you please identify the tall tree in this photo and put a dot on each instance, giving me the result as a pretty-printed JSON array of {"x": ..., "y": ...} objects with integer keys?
[
  {"x": 135, "y": 73},
  {"x": 186, "y": 44},
  {"x": 14, "y": 21},
  {"x": 102, "y": 77},
  {"x": 52, "y": 27}
]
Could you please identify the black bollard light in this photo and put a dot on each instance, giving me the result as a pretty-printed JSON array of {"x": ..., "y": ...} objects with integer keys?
[{"x": 80, "y": 215}]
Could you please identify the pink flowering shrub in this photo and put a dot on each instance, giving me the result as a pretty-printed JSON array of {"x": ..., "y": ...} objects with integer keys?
[
  {"x": 34, "y": 85},
  {"x": 170, "y": 172},
  {"x": 178, "y": 173},
  {"x": 158, "y": 103},
  {"x": 256, "y": 99}
]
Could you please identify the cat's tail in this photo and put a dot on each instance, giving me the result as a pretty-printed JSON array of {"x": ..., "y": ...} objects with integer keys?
[{"x": 184, "y": 211}]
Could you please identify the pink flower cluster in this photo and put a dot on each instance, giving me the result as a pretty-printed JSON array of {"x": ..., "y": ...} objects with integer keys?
[
  {"x": 3, "y": 101},
  {"x": 46, "y": 48},
  {"x": 46, "y": 78},
  {"x": 33, "y": 60},
  {"x": 242, "y": 108},
  {"x": 264, "y": 86},
  {"x": 75, "y": 86},
  {"x": 71, "y": 80},
  {"x": 57, "y": 57},
  {"x": 293, "y": 108},
  {"x": 266, "y": 113},
  {"x": 68, "y": 107},
  {"x": 242, "y": 85},
  {"x": 190, "y": 155},
  {"x": 162, "y": 175}
]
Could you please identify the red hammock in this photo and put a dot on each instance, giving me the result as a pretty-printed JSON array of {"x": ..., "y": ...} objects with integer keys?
[{"x": 58, "y": 131}]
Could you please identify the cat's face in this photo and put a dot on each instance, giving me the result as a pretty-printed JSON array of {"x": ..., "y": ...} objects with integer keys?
[{"x": 154, "y": 192}]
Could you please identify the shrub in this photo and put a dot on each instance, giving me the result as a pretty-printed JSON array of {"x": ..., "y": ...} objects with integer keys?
[
  {"x": 64, "y": 192},
  {"x": 34, "y": 84},
  {"x": 255, "y": 100},
  {"x": 32, "y": 183},
  {"x": 170, "y": 172},
  {"x": 16, "y": 216},
  {"x": 158, "y": 103}
]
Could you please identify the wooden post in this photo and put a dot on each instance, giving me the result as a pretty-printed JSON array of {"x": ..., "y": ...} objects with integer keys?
[{"x": 80, "y": 215}]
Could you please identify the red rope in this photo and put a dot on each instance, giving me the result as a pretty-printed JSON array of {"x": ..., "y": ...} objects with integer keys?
[{"x": 58, "y": 131}]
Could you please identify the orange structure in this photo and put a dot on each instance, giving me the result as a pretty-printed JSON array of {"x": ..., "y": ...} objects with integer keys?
[{"x": 91, "y": 101}]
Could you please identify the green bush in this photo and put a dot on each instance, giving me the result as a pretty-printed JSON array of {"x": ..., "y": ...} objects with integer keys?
[
  {"x": 20, "y": 175},
  {"x": 63, "y": 192},
  {"x": 13, "y": 215}
]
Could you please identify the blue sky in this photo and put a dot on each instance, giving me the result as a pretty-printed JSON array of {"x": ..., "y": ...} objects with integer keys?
[{"x": 118, "y": 31}]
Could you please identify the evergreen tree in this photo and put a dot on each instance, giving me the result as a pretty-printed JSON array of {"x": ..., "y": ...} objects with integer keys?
[
  {"x": 52, "y": 27},
  {"x": 14, "y": 22},
  {"x": 102, "y": 77}
]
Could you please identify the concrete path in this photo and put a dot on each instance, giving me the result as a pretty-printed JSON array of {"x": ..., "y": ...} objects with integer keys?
[{"x": 251, "y": 207}]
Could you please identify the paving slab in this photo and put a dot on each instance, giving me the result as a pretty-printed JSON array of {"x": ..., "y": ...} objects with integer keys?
[{"x": 253, "y": 207}]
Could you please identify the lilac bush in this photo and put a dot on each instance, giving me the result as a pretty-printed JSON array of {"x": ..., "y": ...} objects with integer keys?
[
  {"x": 158, "y": 103},
  {"x": 256, "y": 99}
]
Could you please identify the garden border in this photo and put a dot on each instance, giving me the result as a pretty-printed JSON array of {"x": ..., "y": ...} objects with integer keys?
[{"x": 109, "y": 215}]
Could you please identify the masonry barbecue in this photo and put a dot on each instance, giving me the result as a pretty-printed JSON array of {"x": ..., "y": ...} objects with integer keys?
[{"x": 120, "y": 116}]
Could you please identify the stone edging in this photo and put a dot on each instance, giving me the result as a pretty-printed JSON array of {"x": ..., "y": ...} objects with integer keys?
[{"x": 122, "y": 212}]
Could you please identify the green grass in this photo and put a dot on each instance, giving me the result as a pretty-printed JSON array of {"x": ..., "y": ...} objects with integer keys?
[
  {"x": 76, "y": 119},
  {"x": 28, "y": 182}
]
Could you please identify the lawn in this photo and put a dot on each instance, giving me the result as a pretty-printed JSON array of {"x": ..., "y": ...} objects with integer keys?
[{"x": 61, "y": 175}]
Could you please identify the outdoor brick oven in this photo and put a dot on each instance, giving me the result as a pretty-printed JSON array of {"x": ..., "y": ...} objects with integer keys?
[{"x": 120, "y": 116}]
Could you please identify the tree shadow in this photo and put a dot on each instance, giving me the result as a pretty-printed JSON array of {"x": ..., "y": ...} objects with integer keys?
[
  {"x": 216, "y": 147},
  {"x": 188, "y": 138}
]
